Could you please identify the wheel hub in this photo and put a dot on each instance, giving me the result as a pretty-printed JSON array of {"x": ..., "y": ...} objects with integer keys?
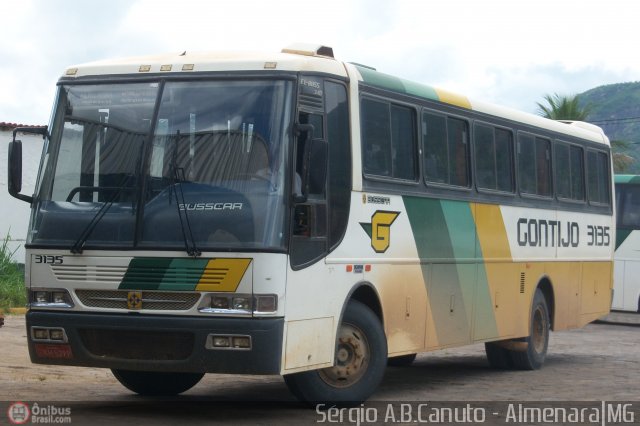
[
  {"x": 538, "y": 335},
  {"x": 352, "y": 358}
]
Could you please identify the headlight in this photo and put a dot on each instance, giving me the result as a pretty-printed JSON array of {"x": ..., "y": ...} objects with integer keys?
[
  {"x": 50, "y": 298},
  {"x": 239, "y": 304},
  {"x": 242, "y": 303}
]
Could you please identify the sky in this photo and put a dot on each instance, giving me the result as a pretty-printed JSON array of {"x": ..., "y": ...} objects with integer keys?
[{"x": 508, "y": 52}]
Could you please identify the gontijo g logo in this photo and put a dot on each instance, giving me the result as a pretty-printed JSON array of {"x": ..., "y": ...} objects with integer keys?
[{"x": 379, "y": 230}]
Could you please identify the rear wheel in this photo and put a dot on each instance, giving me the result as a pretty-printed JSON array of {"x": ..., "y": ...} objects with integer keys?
[
  {"x": 360, "y": 361},
  {"x": 538, "y": 340},
  {"x": 153, "y": 383},
  {"x": 498, "y": 356}
]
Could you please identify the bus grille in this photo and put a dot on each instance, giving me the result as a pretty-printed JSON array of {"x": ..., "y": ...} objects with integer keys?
[
  {"x": 104, "y": 274},
  {"x": 138, "y": 344},
  {"x": 151, "y": 300}
]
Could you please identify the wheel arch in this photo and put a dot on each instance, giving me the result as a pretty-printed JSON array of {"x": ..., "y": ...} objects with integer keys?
[
  {"x": 546, "y": 287},
  {"x": 365, "y": 293}
]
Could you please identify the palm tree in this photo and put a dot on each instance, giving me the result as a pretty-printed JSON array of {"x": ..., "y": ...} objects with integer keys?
[
  {"x": 567, "y": 108},
  {"x": 561, "y": 107}
]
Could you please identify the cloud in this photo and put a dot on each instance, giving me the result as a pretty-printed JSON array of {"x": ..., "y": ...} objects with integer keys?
[{"x": 504, "y": 51}]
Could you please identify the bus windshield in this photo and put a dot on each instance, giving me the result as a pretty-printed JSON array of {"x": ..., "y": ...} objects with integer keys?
[{"x": 166, "y": 165}]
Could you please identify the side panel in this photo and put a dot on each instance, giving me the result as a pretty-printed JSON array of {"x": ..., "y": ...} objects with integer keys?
[
  {"x": 596, "y": 291},
  {"x": 314, "y": 301},
  {"x": 498, "y": 315},
  {"x": 626, "y": 294},
  {"x": 450, "y": 273}
]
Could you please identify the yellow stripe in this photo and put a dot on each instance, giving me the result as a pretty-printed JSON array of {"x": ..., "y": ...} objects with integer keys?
[
  {"x": 492, "y": 233},
  {"x": 502, "y": 274},
  {"x": 453, "y": 98},
  {"x": 223, "y": 275}
]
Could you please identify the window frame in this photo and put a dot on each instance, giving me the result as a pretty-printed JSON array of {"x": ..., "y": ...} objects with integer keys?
[
  {"x": 535, "y": 195},
  {"x": 390, "y": 102},
  {"x": 608, "y": 174},
  {"x": 470, "y": 175},
  {"x": 583, "y": 148},
  {"x": 514, "y": 180}
]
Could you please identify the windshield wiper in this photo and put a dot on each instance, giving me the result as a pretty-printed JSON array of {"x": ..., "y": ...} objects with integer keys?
[
  {"x": 176, "y": 183},
  {"x": 78, "y": 246}
]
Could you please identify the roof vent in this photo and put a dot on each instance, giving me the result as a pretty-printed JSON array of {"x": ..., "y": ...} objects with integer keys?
[{"x": 309, "y": 50}]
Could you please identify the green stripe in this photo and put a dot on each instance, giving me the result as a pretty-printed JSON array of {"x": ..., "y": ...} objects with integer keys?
[
  {"x": 621, "y": 236},
  {"x": 461, "y": 228},
  {"x": 163, "y": 274},
  {"x": 429, "y": 228},
  {"x": 395, "y": 84},
  {"x": 627, "y": 179},
  {"x": 444, "y": 279},
  {"x": 448, "y": 246}
]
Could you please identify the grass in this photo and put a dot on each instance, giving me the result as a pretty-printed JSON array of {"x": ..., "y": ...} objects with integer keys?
[{"x": 12, "y": 290}]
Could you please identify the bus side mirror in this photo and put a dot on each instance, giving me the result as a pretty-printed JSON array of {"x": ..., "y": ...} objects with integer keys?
[{"x": 14, "y": 178}]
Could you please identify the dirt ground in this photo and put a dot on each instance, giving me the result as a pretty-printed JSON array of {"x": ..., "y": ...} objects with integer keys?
[{"x": 600, "y": 362}]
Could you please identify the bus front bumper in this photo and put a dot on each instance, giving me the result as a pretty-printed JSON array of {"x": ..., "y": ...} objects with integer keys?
[{"x": 156, "y": 343}]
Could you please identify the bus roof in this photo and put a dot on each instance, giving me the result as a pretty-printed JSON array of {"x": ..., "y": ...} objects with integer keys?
[
  {"x": 313, "y": 58},
  {"x": 190, "y": 62}
]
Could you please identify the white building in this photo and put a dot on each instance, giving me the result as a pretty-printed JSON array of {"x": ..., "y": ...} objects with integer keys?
[{"x": 14, "y": 214}]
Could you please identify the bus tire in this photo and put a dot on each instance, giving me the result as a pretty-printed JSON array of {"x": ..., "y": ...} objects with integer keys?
[
  {"x": 401, "y": 361},
  {"x": 499, "y": 357},
  {"x": 360, "y": 362},
  {"x": 152, "y": 383},
  {"x": 538, "y": 339}
]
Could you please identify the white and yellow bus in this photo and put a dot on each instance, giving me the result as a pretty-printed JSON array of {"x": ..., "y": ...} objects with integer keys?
[
  {"x": 293, "y": 214},
  {"x": 626, "y": 276}
]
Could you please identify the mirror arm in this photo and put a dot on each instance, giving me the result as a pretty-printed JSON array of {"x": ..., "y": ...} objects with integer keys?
[{"x": 42, "y": 130}]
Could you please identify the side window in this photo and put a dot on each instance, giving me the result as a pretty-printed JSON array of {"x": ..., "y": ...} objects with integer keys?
[
  {"x": 534, "y": 165},
  {"x": 628, "y": 206},
  {"x": 317, "y": 121},
  {"x": 376, "y": 138},
  {"x": 494, "y": 158},
  {"x": 446, "y": 149},
  {"x": 339, "y": 160},
  {"x": 570, "y": 173},
  {"x": 389, "y": 140},
  {"x": 403, "y": 142},
  {"x": 598, "y": 177}
]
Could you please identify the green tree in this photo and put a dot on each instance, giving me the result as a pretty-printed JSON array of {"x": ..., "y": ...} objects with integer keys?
[
  {"x": 621, "y": 161},
  {"x": 560, "y": 107},
  {"x": 567, "y": 108}
]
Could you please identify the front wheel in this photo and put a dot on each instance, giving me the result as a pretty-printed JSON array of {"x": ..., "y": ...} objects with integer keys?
[
  {"x": 151, "y": 383},
  {"x": 360, "y": 362}
]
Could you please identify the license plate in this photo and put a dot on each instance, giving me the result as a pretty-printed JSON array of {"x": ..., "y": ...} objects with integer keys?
[{"x": 44, "y": 350}]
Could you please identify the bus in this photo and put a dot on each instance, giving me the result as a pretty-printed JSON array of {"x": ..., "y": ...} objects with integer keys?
[
  {"x": 295, "y": 215},
  {"x": 626, "y": 286}
]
